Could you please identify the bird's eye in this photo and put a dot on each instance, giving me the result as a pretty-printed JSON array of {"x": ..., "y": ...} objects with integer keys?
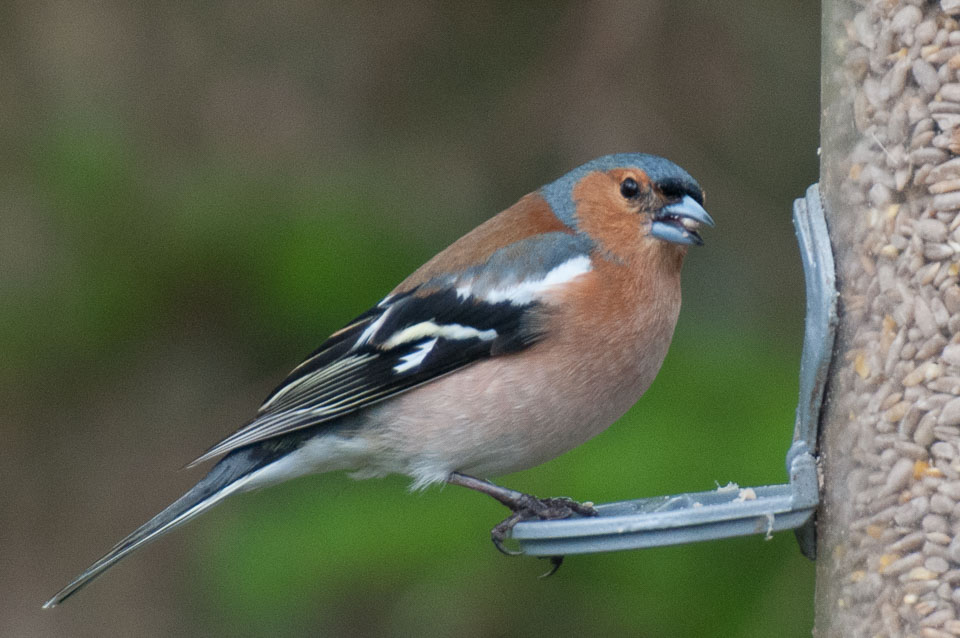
[{"x": 629, "y": 188}]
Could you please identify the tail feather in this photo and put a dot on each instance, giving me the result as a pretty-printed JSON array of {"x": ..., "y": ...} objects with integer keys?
[{"x": 224, "y": 479}]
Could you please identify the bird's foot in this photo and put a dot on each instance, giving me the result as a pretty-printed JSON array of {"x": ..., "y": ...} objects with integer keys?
[{"x": 527, "y": 507}]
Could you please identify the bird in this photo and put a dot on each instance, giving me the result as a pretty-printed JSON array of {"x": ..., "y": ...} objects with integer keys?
[{"x": 523, "y": 339}]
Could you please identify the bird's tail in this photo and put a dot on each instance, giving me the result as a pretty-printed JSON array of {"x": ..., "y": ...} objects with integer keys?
[{"x": 226, "y": 478}]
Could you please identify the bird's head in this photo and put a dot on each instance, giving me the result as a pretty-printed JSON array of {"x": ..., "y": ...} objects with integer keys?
[{"x": 629, "y": 201}]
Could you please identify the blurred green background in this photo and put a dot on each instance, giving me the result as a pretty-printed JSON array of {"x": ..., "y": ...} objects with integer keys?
[{"x": 193, "y": 197}]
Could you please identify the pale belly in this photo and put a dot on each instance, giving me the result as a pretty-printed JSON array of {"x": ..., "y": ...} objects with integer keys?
[{"x": 504, "y": 414}]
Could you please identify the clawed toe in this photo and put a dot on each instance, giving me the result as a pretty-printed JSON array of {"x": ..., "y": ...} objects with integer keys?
[
  {"x": 529, "y": 508},
  {"x": 524, "y": 507},
  {"x": 499, "y": 533},
  {"x": 555, "y": 563},
  {"x": 565, "y": 507}
]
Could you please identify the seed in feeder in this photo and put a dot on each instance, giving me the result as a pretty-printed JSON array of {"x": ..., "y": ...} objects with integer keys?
[
  {"x": 950, "y": 414},
  {"x": 897, "y": 223},
  {"x": 926, "y": 76},
  {"x": 874, "y": 531},
  {"x": 940, "y": 538}
]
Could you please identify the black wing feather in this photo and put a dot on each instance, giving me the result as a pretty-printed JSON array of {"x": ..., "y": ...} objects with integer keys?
[{"x": 356, "y": 367}]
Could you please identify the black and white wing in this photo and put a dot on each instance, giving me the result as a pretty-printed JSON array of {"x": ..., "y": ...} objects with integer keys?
[
  {"x": 406, "y": 340},
  {"x": 413, "y": 337}
]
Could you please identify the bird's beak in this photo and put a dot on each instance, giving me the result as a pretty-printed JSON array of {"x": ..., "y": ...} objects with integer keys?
[{"x": 678, "y": 222}]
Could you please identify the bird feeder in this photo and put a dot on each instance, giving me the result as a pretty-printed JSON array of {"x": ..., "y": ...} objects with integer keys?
[{"x": 890, "y": 177}]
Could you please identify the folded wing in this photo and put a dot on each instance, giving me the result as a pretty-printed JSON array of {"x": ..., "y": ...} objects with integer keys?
[
  {"x": 420, "y": 334},
  {"x": 405, "y": 341}
]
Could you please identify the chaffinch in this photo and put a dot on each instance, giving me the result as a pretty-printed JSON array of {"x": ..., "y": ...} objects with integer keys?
[{"x": 525, "y": 338}]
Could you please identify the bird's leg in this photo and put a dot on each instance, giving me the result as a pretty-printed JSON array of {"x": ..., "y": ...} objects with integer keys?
[{"x": 524, "y": 507}]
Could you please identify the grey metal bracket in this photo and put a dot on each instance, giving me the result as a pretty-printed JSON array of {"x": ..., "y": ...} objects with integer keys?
[{"x": 729, "y": 511}]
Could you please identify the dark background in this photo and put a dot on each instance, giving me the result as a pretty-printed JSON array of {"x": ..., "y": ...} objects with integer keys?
[{"x": 192, "y": 198}]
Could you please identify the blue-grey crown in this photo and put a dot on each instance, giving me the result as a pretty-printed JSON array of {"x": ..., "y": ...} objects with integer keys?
[{"x": 559, "y": 193}]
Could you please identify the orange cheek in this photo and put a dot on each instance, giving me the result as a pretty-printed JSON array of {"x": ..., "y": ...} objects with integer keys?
[{"x": 604, "y": 215}]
